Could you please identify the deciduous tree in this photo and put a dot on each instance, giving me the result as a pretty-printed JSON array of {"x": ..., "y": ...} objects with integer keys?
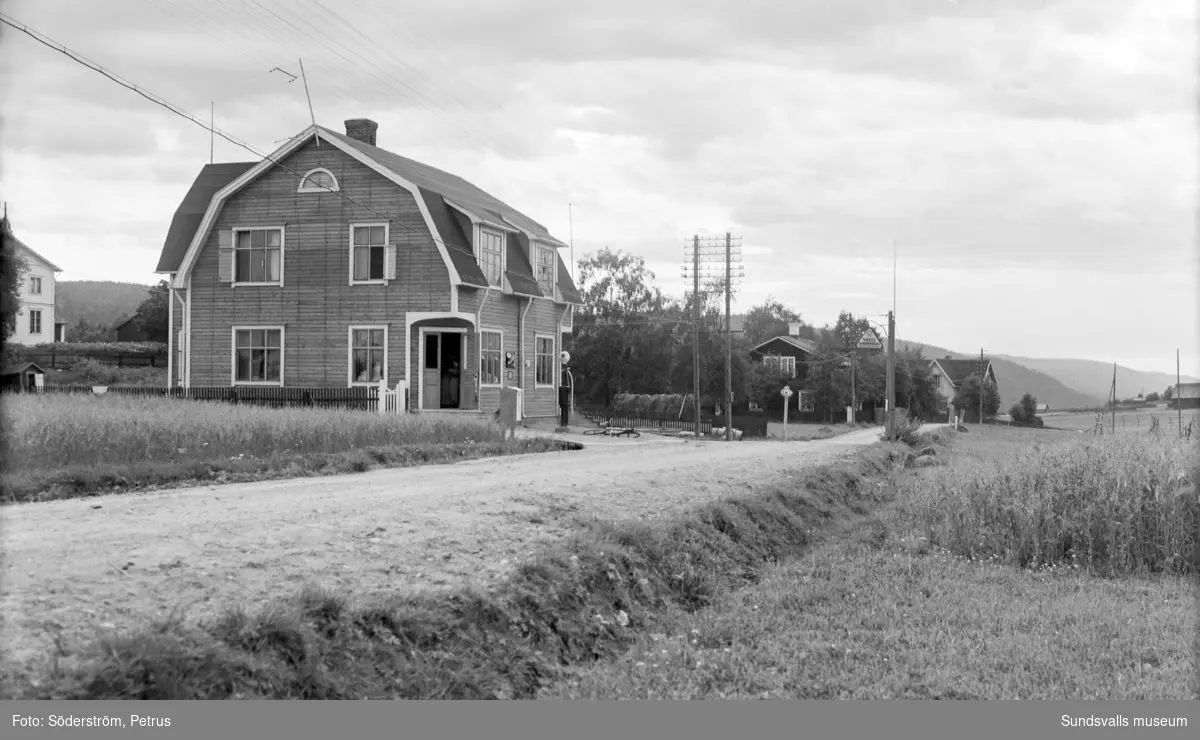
[{"x": 12, "y": 272}]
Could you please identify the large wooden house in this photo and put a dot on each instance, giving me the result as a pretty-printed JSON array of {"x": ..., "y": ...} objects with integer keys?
[{"x": 335, "y": 263}]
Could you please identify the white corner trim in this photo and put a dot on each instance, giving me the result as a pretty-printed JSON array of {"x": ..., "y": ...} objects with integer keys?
[
  {"x": 187, "y": 337},
  {"x": 304, "y": 179},
  {"x": 350, "y": 381},
  {"x": 233, "y": 330},
  {"x": 387, "y": 240}
]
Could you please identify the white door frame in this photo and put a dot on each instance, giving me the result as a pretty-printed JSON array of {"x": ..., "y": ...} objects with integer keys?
[{"x": 462, "y": 354}]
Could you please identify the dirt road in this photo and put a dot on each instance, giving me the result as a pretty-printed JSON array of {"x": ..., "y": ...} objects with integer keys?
[{"x": 72, "y": 566}]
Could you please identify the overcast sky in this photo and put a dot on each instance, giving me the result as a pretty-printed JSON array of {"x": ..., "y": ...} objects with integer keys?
[{"x": 1034, "y": 161}]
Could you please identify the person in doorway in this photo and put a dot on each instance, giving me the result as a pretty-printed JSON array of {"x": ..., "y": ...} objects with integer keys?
[{"x": 452, "y": 383}]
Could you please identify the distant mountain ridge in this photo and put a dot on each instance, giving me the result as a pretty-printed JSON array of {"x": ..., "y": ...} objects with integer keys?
[
  {"x": 101, "y": 302},
  {"x": 1016, "y": 379},
  {"x": 1095, "y": 376}
]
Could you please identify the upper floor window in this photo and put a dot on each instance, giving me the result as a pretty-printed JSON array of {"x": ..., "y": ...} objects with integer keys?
[
  {"x": 318, "y": 181},
  {"x": 259, "y": 255},
  {"x": 491, "y": 256},
  {"x": 546, "y": 259},
  {"x": 35, "y": 285},
  {"x": 368, "y": 252}
]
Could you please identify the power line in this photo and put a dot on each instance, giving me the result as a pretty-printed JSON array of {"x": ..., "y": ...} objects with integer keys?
[{"x": 45, "y": 40}]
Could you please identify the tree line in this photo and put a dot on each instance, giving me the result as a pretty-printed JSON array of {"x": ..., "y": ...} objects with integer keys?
[{"x": 629, "y": 337}]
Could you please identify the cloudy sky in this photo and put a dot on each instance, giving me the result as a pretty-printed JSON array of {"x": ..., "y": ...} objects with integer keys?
[{"x": 1032, "y": 161}]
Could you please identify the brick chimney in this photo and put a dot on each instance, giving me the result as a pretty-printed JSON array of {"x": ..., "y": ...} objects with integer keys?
[
  {"x": 362, "y": 129},
  {"x": 794, "y": 329}
]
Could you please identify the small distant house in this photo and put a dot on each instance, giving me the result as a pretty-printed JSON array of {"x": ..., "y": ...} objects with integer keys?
[
  {"x": 788, "y": 353},
  {"x": 951, "y": 373},
  {"x": 1043, "y": 407},
  {"x": 128, "y": 330},
  {"x": 36, "y": 323},
  {"x": 22, "y": 377},
  {"x": 1188, "y": 395}
]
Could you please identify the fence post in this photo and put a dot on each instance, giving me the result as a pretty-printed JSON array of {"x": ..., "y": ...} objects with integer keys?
[{"x": 382, "y": 396}]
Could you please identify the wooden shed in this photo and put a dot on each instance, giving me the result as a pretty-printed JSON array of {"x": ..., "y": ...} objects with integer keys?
[{"x": 22, "y": 377}]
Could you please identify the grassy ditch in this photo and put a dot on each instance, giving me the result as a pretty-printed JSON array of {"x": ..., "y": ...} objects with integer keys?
[
  {"x": 71, "y": 446},
  {"x": 879, "y": 611},
  {"x": 588, "y": 600}
]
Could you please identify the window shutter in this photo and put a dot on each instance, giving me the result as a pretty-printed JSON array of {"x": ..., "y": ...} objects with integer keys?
[
  {"x": 389, "y": 262},
  {"x": 225, "y": 242}
]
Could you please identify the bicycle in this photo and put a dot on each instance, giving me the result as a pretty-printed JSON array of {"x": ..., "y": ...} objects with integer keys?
[{"x": 607, "y": 430}]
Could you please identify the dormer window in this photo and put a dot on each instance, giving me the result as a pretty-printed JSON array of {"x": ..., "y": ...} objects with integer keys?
[
  {"x": 318, "y": 181},
  {"x": 545, "y": 263},
  {"x": 491, "y": 256}
]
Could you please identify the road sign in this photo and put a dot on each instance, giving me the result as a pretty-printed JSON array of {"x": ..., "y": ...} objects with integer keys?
[
  {"x": 869, "y": 341},
  {"x": 786, "y": 392}
]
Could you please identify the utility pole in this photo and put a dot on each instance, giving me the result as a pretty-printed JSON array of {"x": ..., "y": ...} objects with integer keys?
[
  {"x": 891, "y": 377},
  {"x": 727, "y": 402},
  {"x": 853, "y": 397},
  {"x": 696, "y": 331},
  {"x": 212, "y": 123},
  {"x": 1113, "y": 399},
  {"x": 982, "y": 382},
  {"x": 705, "y": 261},
  {"x": 1178, "y": 405}
]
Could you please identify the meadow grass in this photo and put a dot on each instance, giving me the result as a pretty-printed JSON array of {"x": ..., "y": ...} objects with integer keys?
[
  {"x": 87, "y": 371},
  {"x": 59, "y": 445},
  {"x": 1112, "y": 505},
  {"x": 586, "y": 600},
  {"x": 875, "y": 610}
]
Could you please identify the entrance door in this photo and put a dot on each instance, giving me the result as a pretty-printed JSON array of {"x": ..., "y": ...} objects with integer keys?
[
  {"x": 451, "y": 370},
  {"x": 431, "y": 396}
]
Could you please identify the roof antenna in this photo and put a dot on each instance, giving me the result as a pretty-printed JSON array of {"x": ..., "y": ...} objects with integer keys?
[{"x": 310, "y": 108}]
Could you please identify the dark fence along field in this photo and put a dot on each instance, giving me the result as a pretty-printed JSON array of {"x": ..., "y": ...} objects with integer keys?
[
  {"x": 65, "y": 359},
  {"x": 360, "y": 398}
]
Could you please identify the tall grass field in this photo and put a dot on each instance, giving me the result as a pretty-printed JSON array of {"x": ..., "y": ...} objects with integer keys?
[
  {"x": 1112, "y": 505},
  {"x": 64, "y": 445}
]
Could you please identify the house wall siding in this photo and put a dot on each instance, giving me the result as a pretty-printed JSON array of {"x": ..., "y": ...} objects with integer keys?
[
  {"x": 316, "y": 303},
  {"x": 29, "y": 301},
  {"x": 503, "y": 313}
]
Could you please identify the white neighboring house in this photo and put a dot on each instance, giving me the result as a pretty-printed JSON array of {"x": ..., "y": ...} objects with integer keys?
[{"x": 36, "y": 322}]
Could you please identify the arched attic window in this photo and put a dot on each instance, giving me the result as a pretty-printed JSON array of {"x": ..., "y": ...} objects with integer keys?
[{"x": 319, "y": 180}]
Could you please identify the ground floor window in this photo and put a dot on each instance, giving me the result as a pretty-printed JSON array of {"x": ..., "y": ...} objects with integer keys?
[
  {"x": 490, "y": 358},
  {"x": 368, "y": 354},
  {"x": 544, "y": 352},
  {"x": 35, "y": 321},
  {"x": 258, "y": 355}
]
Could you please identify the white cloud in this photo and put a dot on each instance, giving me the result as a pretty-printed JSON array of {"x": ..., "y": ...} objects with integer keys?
[{"x": 1035, "y": 160}]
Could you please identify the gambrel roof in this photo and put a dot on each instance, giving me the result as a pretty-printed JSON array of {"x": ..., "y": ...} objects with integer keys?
[{"x": 448, "y": 201}]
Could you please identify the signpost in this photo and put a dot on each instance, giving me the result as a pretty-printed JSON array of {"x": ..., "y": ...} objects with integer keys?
[
  {"x": 787, "y": 400},
  {"x": 869, "y": 340}
]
